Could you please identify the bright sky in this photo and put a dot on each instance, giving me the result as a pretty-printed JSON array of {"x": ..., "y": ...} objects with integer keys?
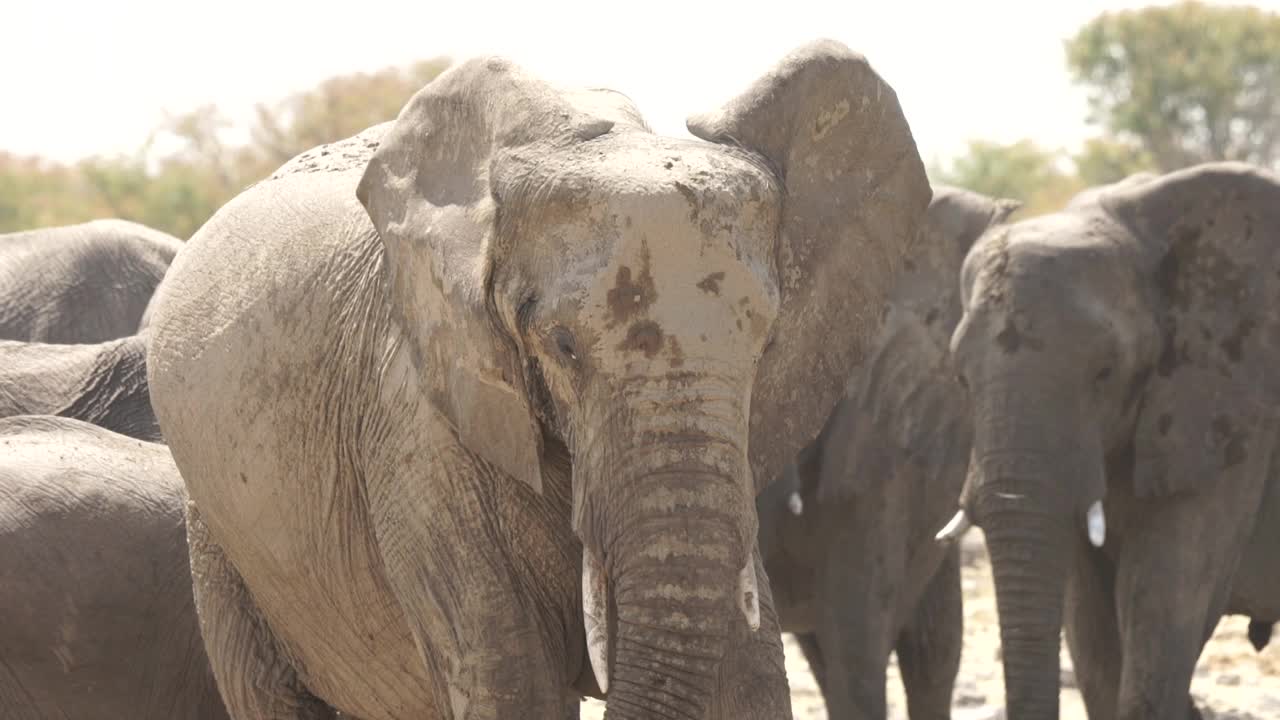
[{"x": 84, "y": 77}]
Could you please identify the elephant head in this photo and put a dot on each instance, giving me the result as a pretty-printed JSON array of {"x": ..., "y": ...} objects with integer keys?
[
  {"x": 653, "y": 315},
  {"x": 1126, "y": 344}
]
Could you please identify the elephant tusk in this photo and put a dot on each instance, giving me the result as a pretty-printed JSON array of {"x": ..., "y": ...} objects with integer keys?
[
  {"x": 749, "y": 594},
  {"x": 595, "y": 617},
  {"x": 1096, "y": 520},
  {"x": 795, "y": 504},
  {"x": 957, "y": 526}
]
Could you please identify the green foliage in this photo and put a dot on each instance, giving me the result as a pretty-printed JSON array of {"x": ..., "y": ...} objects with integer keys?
[
  {"x": 1021, "y": 171},
  {"x": 1103, "y": 161},
  {"x": 1186, "y": 83},
  {"x": 339, "y": 107},
  {"x": 1170, "y": 86},
  {"x": 188, "y": 169},
  {"x": 35, "y": 193}
]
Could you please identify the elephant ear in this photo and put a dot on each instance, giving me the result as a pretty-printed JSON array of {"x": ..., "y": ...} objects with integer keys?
[
  {"x": 906, "y": 405},
  {"x": 430, "y": 192},
  {"x": 855, "y": 198},
  {"x": 1213, "y": 232}
]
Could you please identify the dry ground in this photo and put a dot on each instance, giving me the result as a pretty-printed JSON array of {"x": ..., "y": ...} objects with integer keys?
[{"x": 1232, "y": 681}]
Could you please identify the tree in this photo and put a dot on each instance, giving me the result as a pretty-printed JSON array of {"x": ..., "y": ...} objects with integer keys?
[
  {"x": 189, "y": 167},
  {"x": 1021, "y": 171},
  {"x": 35, "y": 193},
  {"x": 339, "y": 107},
  {"x": 1186, "y": 83},
  {"x": 1103, "y": 161}
]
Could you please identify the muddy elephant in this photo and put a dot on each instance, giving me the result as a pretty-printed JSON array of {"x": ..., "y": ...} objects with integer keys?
[
  {"x": 847, "y": 534},
  {"x": 100, "y": 383},
  {"x": 471, "y": 406},
  {"x": 95, "y": 589},
  {"x": 80, "y": 283},
  {"x": 1123, "y": 365}
]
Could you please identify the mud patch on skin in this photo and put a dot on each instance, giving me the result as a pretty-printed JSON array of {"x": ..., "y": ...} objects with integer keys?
[
  {"x": 1192, "y": 271},
  {"x": 631, "y": 296},
  {"x": 1011, "y": 339},
  {"x": 1231, "y": 439},
  {"x": 677, "y": 353},
  {"x": 644, "y": 336},
  {"x": 1171, "y": 356},
  {"x": 1233, "y": 344},
  {"x": 711, "y": 283},
  {"x": 692, "y": 197}
]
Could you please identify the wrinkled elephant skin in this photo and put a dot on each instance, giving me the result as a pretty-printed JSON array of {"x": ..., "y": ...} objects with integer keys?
[
  {"x": 847, "y": 533},
  {"x": 472, "y": 406},
  {"x": 1123, "y": 361}
]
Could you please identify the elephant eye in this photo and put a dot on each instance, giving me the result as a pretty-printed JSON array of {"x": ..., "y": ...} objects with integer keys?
[
  {"x": 961, "y": 380},
  {"x": 563, "y": 341},
  {"x": 1103, "y": 374}
]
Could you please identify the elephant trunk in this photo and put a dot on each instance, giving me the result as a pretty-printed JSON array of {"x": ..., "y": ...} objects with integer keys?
[
  {"x": 679, "y": 585},
  {"x": 1028, "y": 552},
  {"x": 1031, "y": 473},
  {"x": 669, "y": 541}
]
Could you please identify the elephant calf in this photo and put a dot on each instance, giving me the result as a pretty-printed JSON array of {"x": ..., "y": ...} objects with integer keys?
[
  {"x": 1123, "y": 364},
  {"x": 95, "y": 590},
  {"x": 102, "y": 383},
  {"x": 847, "y": 534},
  {"x": 81, "y": 283}
]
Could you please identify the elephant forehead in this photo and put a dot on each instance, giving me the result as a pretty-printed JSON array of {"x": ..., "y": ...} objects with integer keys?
[
  {"x": 547, "y": 186},
  {"x": 686, "y": 207},
  {"x": 1061, "y": 249},
  {"x": 653, "y": 274}
]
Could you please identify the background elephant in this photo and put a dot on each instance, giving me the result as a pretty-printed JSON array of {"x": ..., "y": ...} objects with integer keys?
[
  {"x": 101, "y": 383},
  {"x": 462, "y": 402},
  {"x": 1123, "y": 358},
  {"x": 80, "y": 283},
  {"x": 855, "y": 570},
  {"x": 95, "y": 589}
]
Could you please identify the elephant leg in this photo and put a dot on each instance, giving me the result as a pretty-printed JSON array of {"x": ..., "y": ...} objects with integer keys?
[
  {"x": 1092, "y": 630},
  {"x": 858, "y": 591},
  {"x": 808, "y": 643},
  {"x": 254, "y": 677},
  {"x": 929, "y": 646},
  {"x": 464, "y": 588},
  {"x": 1173, "y": 581}
]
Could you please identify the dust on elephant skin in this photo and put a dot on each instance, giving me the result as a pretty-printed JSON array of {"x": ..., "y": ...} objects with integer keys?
[{"x": 467, "y": 433}]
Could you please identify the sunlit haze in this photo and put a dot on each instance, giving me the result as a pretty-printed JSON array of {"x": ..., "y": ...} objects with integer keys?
[{"x": 83, "y": 78}]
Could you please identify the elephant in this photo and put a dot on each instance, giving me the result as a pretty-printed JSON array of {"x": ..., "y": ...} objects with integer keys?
[
  {"x": 1122, "y": 360},
  {"x": 847, "y": 533},
  {"x": 101, "y": 383},
  {"x": 83, "y": 283},
  {"x": 473, "y": 407},
  {"x": 95, "y": 588}
]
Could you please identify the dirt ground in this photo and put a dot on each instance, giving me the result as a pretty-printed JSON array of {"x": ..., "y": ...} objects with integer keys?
[{"x": 1232, "y": 681}]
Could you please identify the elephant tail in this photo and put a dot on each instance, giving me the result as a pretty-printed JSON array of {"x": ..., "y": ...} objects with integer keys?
[{"x": 1259, "y": 633}]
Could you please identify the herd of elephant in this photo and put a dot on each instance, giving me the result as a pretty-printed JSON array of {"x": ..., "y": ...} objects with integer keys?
[{"x": 476, "y": 413}]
